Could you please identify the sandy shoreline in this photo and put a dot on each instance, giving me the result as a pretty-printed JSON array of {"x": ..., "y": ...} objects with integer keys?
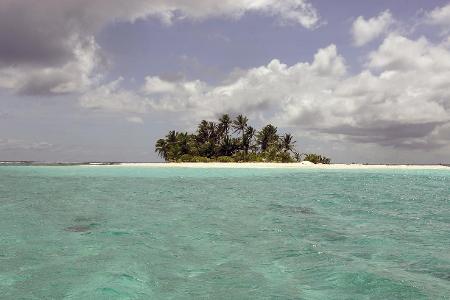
[
  {"x": 249, "y": 165},
  {"x": 302, "y": 165}
]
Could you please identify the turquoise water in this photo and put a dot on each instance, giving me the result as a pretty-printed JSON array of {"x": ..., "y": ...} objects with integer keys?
[{"x": 152, "y": 233}]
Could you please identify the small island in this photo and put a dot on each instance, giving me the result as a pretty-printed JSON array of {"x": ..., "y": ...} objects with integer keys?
[{"x": 229, "y": 140}]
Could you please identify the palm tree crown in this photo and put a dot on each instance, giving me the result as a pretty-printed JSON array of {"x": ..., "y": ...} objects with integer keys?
[
  {"x": 224, "y": 125},
  {"x": 267, "y": 137},
  {"x": 287, "y": 143}
]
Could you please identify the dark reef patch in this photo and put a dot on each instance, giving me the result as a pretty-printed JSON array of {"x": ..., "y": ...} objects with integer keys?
[
  {"x": 292, "y": 209},
  {"x": 81, "y": 228}
]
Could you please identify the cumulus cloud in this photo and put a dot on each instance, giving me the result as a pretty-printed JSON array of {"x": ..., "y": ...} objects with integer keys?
[
  {"x": 398, "y": 53},
  {"x": 73, "y": 76},
  {"x": 49, "y": 47},
  {"x": 364, "y": 31},
  {"x": 440, "y": 16},
  {"x": 253, "y": 91},
  {"x": 401, "y": 98}
]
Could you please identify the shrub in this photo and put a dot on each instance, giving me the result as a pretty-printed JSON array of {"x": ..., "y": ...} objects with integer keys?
[
  {"x": 225, "y": 159},
  {"x": 186, "y": 158},
  {"x": 255, "y": 157},
  {"x": 317, "y": 159},
  {"x": 200, "y": 159},
  {"x": 284, "y": 157},
  {"x": 240, "y": 157}
]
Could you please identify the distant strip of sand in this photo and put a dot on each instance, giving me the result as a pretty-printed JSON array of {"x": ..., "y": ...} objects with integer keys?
[{"x": 302, "y": 165}]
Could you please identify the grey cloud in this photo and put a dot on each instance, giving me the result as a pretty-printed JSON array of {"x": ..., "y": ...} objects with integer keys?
[
  {"x": 38, "y": 35},
  {"x": 73, "y": 76},
  {"x": 393, "y": 135},
  {"x": 14, "y": 144},
  {"x": 42, "y": 85},
  {"x": 31, "y": 35}
]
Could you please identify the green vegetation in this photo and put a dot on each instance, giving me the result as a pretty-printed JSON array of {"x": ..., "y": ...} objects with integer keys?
[
  {"x": 317, "y": 159},
  {"x": 231, "y": 141}
]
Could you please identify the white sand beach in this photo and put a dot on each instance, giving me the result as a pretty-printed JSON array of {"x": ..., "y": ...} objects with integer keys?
[{"x": 303, "y": 165}]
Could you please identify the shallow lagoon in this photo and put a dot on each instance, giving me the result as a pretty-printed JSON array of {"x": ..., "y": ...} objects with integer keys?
[{"x": 83, "y": 232}]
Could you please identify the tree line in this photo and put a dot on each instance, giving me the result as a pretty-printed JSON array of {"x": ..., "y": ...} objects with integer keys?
[{"x": 229, "y": 140}]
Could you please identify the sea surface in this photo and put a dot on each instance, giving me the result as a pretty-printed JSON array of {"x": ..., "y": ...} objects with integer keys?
[{"x": 83, "y": 232}]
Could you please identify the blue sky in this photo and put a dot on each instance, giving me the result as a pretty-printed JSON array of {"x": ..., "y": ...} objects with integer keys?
[{"x": 360, "y": 81}]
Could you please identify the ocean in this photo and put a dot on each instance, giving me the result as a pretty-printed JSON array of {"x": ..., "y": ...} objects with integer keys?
[{"x": 114, "y": 232}]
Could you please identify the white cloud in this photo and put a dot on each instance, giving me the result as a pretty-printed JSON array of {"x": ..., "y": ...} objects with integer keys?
[
  {"x": 363, "y": 31},
  {"x": 440, "y": 16},
  {"x": 167, "y": 95},
  {"x": 155, "y": 85},
  {"x": 401, "y": 99},
  {"x": 292, "y": 11},
  {"x": 399, "y": 53}
]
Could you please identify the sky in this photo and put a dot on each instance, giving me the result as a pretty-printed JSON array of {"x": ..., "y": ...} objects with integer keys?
[{"x": 102, "y": 80}]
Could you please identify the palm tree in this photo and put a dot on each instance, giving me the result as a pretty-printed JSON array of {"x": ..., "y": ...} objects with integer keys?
[
  {"x": 239, "y": 125},
  {"x": 171, "y": 145},
  {"x": 224, "y": 125},
  {"x": 202, "y": 132},
  {"x": 213, "y": 139},
  {"x": 161, "y": 148},
  {"x": 171, "y": 137},
  {"x": 287, "y": 143},
  {"x": 183, "y": 143},
  {"x": 227, "y": 146},
  {"x": 267, "y": 137},
  {"x": 247, "y": 139},
  {"x": 212, "y": 130}
]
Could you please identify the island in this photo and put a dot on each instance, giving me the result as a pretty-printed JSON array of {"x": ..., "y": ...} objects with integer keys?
[{"x": 233, "y": 140}]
